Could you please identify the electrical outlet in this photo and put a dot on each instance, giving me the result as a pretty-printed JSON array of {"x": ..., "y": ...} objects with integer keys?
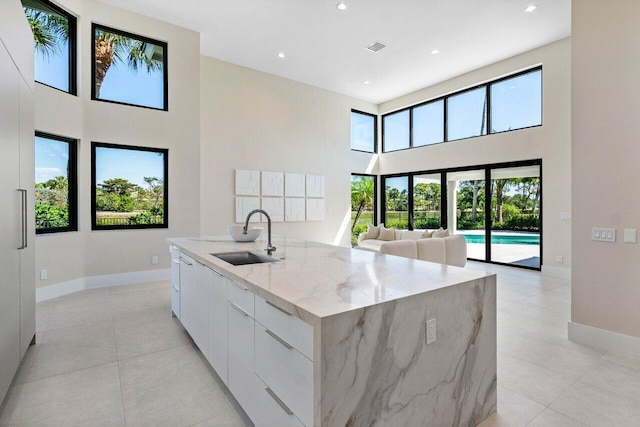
[
  {"x": 431, "y": 331},
  {"x": 559, "y": 259},
  {"x": 43, "y": 275},
  {"x": 154, "y": 260}
]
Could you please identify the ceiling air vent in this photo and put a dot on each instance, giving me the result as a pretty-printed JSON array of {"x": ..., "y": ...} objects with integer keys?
[{"x": 375, "y": 47}]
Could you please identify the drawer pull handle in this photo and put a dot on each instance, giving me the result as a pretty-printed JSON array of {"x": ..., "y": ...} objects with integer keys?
[
  {"x": 278, "y": 308},
  {"x": 185, "y": 261},
  {"x": 280, "y": 340},
  {"x": 238, "y": 285},
  {"x": 275, "y": 397},
  {"x": 238, "y": 309},
  {"x": 175, "y": 261}
]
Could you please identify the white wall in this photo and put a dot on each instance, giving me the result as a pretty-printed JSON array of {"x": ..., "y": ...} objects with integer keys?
[
  {"x": 256, "y": 121},
  {"x": 86, "y": 253},
  {"x": 550, "y": 142},
  {"x": 605, "y": 111}
]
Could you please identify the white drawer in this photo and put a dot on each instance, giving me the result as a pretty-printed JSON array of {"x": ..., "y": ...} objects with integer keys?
[
  {"x": 175, "y": 300},
  {"x": 293, "y": 330},
  {"x": 241, "y": 296},
  {"x": 286, "y": 371},
  {"x": 270, "y": 408}
]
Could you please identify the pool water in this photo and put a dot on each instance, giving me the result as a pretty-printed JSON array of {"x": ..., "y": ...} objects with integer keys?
[{"x": 507, "y": 239}]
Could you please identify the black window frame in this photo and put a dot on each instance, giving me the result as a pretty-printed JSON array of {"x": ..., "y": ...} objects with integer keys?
[
  {"x": 165, "y": 178},
  {"x": 165, "y": 68},
  {"x": 72, "y": 183},
  {"x": 73, "y": 48},
  {"x": 444, "y": 220},
  {"x": 445, "y": 98},
  {"x": 375, "y": 193},
  {"x": 375, "y": 131}
]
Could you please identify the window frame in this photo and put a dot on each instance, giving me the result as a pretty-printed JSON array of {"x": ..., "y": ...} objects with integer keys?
[
  {"x": 164, "y": 151},
  {"x": 445, "y": 99},
  {"x": 165, "y": 68},
  {"x": 72, "y": 182},
  {"x": 488, "y": 168},
  {"x": 375, "y": 193},
  {"x": 375, "y": 131},
  {"x": 73, "y": 49}
]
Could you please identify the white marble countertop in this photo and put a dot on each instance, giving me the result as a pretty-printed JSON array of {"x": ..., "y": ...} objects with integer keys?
[{"x": 316, "y": 280}]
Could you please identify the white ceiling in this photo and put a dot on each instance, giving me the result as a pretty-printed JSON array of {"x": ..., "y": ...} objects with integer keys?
[{"x": 325, "y": 47}]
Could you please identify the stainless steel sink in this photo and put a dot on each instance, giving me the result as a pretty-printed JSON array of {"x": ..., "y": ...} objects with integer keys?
[{"x": 244, "y": 257}]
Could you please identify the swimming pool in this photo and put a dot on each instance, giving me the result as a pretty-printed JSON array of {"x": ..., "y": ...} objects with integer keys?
[{"x": 504, "y": 239}]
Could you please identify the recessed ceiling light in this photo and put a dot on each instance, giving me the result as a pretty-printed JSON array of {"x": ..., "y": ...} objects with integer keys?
[
  {"x": 366, "y": 82},
  {"x": 531, "y": 8},
  {"x": 435, "y": 52},
  {"x": 281, "y": 55},
  {"x": 341, "y": 6}
]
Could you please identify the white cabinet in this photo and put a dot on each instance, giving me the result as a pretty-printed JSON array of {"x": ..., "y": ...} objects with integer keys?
[
  {"x": 17, "y": 234},
  {"x": 194, "y": 298},
  {"x": 241, "y": 377},
  {"x": 217, "y": 322},
  {"x": 175, "y": 281},
  {"x": 272, "y": 411}
]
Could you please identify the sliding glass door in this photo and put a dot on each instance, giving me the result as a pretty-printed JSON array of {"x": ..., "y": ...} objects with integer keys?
[
  {"x": 515, "y": 216},
  {"x": 396, "y": 201},
  {"x": 427, "y": 201},
  {"x": 466, "y": 201}
]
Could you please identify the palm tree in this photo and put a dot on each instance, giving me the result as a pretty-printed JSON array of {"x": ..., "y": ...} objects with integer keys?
[
  {"x": 361, "y": 196},
  {"x": 115, "y": 48},
  {"x": 48, "y": 29}
]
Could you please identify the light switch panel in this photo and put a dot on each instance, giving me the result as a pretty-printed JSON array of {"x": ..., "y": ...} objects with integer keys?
[
  {"x": 600, "y": 234},
  {"x": 630, "y": 235}
]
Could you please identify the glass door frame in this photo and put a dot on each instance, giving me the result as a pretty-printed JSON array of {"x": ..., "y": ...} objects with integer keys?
[{"x": 443, "y": 202}]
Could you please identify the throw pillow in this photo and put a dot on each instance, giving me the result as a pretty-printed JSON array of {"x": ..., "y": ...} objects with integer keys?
[
  {"x": 387, "y": 234},
  {"x": 441, "y": 233},
  {"x": 373, "y": 231},
  {"x": 427, "y": 234}
]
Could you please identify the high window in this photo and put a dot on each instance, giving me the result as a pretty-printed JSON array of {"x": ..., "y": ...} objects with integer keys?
[
  {"x": 128, "y": 69},
  {"x": 363, "y": 131},
  {"x": 54, "y": 37},
  {"x": 363, "y": 204},
  {"x": 510, "y": 103},
  {"x": 129, "y": 187},
  {"x": 56, "y": 184}
]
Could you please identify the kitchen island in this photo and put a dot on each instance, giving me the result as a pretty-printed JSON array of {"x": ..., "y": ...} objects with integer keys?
[{"x": 334, "y": 336}]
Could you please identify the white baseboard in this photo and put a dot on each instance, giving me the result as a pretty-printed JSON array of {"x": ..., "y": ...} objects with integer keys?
[
  {"x": 602, "y": 339},
  {"x": 59, "y": 289},
  {"x": 559, "y": 272}
]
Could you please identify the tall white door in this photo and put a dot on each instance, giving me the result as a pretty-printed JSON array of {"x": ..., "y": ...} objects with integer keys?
[{"x": 10, "y": 216}]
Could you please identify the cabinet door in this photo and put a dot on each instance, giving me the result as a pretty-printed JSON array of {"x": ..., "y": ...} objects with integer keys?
[
  {"x": 271, "y": 410},
  {"x": 10, "y": 226},
  {"x": 240, "y": 328},
  {"x": 193, "y": 301},
  {"x": 217, "y": 297}
]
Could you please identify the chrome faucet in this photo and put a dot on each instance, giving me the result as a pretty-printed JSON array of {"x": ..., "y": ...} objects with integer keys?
[{"x": 270, "y": 249}]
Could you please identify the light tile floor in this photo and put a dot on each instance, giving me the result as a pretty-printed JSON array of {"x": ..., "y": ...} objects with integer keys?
[{"x": 114, "y": 357}]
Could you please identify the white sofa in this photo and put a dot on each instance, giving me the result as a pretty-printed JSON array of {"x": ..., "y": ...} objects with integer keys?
[{"x": 450, "y": 250}]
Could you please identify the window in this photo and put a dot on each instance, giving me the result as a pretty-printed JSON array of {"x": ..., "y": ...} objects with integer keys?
[
  {"x": 467, "y": 114},
  {"x": 515, "y": 102},
  {"x": 129, "y": 187},
  {"x": 427, "y": 201},
  {"x": 128, "y": 69},
  {"x": 363, "y": 131},
  {"x": 428, "y": 123},
  {"x": 363, "y": 204},
  {"x": 56, "y": 184},
  {"x": 396, "y": 203},
  {"x": 395, "y": 129},
  {"x": 54, "y": 35},
  {"x": 510, "y": 103}
]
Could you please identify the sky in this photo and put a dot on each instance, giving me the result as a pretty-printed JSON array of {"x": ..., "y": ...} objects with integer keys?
[
  {"x": 132, "y": 165},
  {"x": 52, "y": 159}
]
